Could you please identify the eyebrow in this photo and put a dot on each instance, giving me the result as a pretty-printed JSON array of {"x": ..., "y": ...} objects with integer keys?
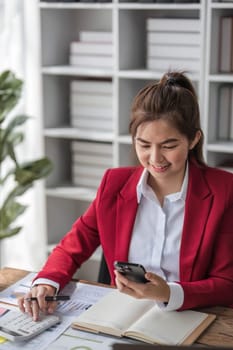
[{"x": 162, "y": 143}]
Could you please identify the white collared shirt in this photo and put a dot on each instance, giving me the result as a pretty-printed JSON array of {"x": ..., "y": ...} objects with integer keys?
[{"x": 156, "y": 237}]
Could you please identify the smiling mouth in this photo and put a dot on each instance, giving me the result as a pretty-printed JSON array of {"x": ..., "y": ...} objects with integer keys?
[{"x": 161, "y": 168}]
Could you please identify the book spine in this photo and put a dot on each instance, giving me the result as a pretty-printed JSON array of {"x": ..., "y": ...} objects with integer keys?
[
  {"x": 92, "y": 159},
  {"x": 91, "y": 112},
  {"x": 226, "y": 45},
  {"x": 91, "y": 61},
  {"x": 92, "y": 147},
  {"x": 91, "y": 48},
  {"x": 92, "y": 124},
  {"x": 86, "y": 170},
  {"x": 91, "y": 99},
  {"x": 178, "y": 38},
  {"x": 91, "y": 86},
  {"x": 172, "y": 51},
  {"x": 224, "y": 113},
  {"x": 161, "y": 64},
  {"x": 231, "y": 115},
  {"x": 173, "y": 24}
]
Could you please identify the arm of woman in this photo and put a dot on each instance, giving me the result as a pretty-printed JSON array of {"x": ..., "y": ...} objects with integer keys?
[{"x": 212, "y": 284}]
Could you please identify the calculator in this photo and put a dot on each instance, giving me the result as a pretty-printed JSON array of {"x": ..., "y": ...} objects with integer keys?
[{"x": 18, "y": 326}]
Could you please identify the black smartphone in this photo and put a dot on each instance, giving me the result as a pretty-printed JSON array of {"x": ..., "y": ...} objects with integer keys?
[{"x": 134, "y": 272}]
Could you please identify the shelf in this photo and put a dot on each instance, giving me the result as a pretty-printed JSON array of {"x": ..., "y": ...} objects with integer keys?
[
  {"x": 149, "y": 6},
  {"x": 72, "y": 133},
  {"x": 222, "y": 5},
  {"x": 221, "y": 78},
  {"x": 62, "y": 23},
  {"x": 75, "y": 6},
  {"x": 221, "y": 147},
  {"x": 147, "y": 74},
  {"x": 71, "y": 192},
  {"x": 71, "y": 70}
]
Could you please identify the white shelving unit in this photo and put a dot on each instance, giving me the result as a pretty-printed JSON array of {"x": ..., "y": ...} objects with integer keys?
[
  {"x": 217, "y": 151},
  {"x": 60, "y": 23}
]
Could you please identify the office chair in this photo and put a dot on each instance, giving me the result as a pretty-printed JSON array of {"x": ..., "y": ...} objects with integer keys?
[{"x": 103, "y": 276}]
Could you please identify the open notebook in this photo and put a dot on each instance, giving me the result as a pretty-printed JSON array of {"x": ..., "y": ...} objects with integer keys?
[{"x": 121, "y": 315}]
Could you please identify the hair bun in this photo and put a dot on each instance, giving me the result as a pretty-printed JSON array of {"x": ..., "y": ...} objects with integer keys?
[{"x": 171, "y": 81}]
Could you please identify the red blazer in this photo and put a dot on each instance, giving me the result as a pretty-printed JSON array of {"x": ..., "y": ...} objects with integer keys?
[{"x": 206, "y": 254}]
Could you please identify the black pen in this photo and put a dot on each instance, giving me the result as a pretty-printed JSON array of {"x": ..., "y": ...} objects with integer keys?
[{"x": 51, "y": 298}]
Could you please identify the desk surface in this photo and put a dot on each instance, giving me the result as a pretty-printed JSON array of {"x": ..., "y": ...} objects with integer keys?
[{"x": 219, "y": 333}]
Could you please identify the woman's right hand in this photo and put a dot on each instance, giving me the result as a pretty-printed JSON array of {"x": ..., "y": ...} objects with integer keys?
[{"x": 33, "y": 308}]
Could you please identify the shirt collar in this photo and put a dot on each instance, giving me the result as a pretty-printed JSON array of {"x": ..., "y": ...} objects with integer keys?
[{"x": 142, "y": 186}]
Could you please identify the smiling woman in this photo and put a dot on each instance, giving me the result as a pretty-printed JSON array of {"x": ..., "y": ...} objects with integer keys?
[{"x": 168, "y": 214}]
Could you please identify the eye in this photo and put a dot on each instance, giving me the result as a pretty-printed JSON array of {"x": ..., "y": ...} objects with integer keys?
[
  {"x": 143, "y": 145},
  {"x": 169, "y": 147}
]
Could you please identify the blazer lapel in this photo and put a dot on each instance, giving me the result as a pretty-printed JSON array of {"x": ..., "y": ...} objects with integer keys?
[
  {"x": 197, "y": 208},
  {"x": 126, "y": 213}
]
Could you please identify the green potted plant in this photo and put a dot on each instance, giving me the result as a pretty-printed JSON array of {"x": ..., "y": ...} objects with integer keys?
[{"x": 15, "y": 177}]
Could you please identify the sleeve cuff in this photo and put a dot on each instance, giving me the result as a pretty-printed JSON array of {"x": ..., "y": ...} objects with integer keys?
[
  {"x": 46, "y": 281},
  {"x": 176, "y": 298}
]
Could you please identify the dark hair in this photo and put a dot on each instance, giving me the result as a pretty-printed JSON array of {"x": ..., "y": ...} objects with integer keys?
[{"x": 174, "y": 99}]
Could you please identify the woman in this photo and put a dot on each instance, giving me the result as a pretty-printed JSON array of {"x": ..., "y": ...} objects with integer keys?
[{"x": 172, "y": 214}]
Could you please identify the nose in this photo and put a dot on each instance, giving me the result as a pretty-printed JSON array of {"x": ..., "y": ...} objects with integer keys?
[{"x": 156, "y": 156}]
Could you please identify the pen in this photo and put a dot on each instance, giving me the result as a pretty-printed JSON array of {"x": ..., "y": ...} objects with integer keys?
[{"x": 51, "y": 298}]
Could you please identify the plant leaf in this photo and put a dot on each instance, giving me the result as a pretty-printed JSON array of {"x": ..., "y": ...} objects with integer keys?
[
  {"x": 9, "y": 212},
  {"x": 34, "y": 170},
  {"x": 9, "y": 232},
  {"x": 10, "y": 92},
  {"x": 17, "y": 191}
]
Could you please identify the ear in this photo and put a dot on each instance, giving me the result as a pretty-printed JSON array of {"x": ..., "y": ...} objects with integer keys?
[{"x": 195, "y": 140}]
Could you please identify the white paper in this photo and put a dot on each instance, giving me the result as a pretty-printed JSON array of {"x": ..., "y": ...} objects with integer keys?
[
  {"x": 82, "y": 296},
  {"x": 75, "y": 339}
]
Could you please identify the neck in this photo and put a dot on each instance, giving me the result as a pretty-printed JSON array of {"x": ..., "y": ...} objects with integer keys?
[{"x": 164, "y": 188}]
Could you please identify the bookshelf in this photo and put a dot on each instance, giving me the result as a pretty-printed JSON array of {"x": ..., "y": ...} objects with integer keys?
[
  {"x": 60, "y": 24},
  {"x": 218, "y": 150}
]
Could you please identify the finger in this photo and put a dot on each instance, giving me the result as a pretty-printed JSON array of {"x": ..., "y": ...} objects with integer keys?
[
  {"x": 153, "y": 278},
  {"x": 42, "y": 303},
  {"x": 52, "y": 305},
  {"x": 28, "y": 306},
  {"x": 21, "y": 304}
]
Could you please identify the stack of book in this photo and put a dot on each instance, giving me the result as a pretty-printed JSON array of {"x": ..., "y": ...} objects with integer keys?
[
  {"x": 225, "y": 113},
  {"x": 173, "y": 43},
  {"x": 93, "y": 50},
  {"x": 91, "y": 105},
  {"x": 89, "y": 162},
  {"x": 226, "y": 45}
]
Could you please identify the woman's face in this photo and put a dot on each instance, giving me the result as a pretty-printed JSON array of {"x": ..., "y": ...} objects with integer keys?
[{"x": 163, "y": 150}]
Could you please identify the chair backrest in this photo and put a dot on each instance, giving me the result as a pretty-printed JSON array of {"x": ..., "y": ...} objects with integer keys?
[{"x": 104, "y": 276}]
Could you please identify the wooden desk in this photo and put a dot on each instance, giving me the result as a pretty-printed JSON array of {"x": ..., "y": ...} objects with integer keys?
[{"x": 220, "y": 333}]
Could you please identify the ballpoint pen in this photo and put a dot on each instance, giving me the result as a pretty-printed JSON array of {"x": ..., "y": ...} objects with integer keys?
[{"x": 51, "y": 298}]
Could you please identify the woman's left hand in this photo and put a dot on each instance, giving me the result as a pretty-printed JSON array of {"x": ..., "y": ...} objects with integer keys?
[{"x": 156, "y": 288}]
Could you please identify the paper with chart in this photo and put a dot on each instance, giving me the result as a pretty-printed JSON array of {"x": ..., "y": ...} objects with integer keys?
[
  {"x": 82, "y": 296},
  {"x": 10, "y": 294}
]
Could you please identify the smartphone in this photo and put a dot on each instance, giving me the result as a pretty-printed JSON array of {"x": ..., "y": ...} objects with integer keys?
[{"x": 134, "y": 272}]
